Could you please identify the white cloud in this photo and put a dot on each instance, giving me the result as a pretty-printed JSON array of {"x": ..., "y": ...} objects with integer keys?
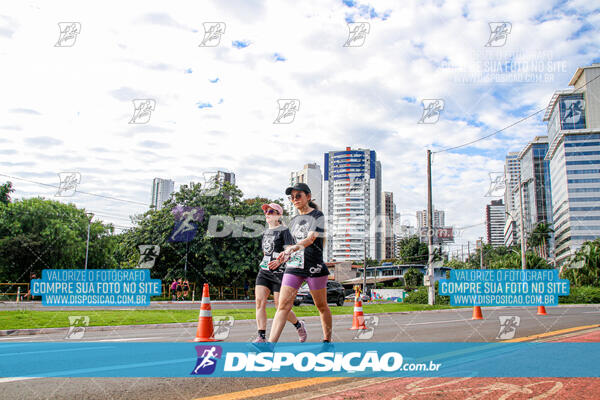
[{"x": 349, "y": 96}]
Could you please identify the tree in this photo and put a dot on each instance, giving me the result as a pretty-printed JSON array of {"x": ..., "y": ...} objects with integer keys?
[
  {"x": 37, "y": 234},
  {"x": 540, "y": 237},
  {"x": 225, "y": 261},
  {"x": 412, "y": 251},
  {"x": 5, "y": 190},
  {"x": 589, "y": 272},
  {"x": 413, "y": 277}
]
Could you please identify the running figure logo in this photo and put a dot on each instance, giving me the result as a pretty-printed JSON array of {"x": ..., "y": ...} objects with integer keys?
[
  {"x": 574, "y": 111},
  {"x": 212, "y": 34},
  {"x": 358, "y": 32},
  {"x": 223, "y": 325},
  {"x": 68, "y": 183},
  {"x": 77, "y": 326},
  {"x": 498, "y": 34},
  {"x": 497, "y": 185},
  {"x": 148, "y": 254},
  {"x": 287, "y": 111},
  {"x": 508, "y": 327},
  {"x": 431, "y": 111},
  {"x": 371, "y": 321},
  {"x": 186, "y": 223},
  {"x": 207, "y": 359},
  {"x": 68, "y": 34},
  {"x": 142, "y": 111}
]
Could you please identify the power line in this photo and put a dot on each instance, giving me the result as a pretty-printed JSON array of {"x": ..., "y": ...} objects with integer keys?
[
  {"x": 509, "y": 126},
  {"x": 78, "y": 191}
]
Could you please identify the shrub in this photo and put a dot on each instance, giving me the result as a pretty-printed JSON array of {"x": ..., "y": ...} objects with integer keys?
[
  {"x": 421, "y": 297},
  {"x": 581, "y": 295}
]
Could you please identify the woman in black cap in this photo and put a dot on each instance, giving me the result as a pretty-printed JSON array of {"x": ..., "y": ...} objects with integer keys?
[{"x": 304, "y": 262}]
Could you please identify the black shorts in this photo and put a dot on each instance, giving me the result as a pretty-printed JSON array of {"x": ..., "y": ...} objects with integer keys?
[{"x": 269, "y": 280}]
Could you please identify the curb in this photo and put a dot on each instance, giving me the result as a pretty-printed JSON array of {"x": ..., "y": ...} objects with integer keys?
[{"x": 41, "y": 331}]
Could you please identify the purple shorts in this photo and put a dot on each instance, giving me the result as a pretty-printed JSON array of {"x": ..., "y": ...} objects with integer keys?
[{"x": 295, "y": 281}]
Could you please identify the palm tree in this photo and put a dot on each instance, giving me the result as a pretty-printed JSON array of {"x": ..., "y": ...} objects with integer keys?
[{"x": 538, "y": 240}]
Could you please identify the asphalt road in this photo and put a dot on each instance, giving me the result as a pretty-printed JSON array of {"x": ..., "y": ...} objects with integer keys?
[{"x": 434, "y": 326}]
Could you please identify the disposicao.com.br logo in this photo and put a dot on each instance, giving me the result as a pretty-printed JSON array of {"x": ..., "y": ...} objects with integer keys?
[{"x": 350, "y": 362}]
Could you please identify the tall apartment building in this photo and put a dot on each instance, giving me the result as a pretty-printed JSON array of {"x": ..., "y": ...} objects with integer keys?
[
  {"x": 512, "y": 169},
  {"x": 388, "y": 209},
  {"x": 352, "y": 204},
  {"x": 161, "y": 192},
  {"x": 439, "y": 221},
  {"x": 495, "y": 218},
  {"x": 312, "y": 176},
  {"x": 573, "y": 117},
  {"x": 439, "y": 218},
  {"x": 535, "y": 181}
]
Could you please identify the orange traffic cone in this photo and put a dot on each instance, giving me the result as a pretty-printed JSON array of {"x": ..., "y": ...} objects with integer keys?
[
  {"x": 205, "y": 331},
  {"x": 477, "y": 312},
  {"x": 358, "y": 321},
  {"x": 541, "y": 310}
]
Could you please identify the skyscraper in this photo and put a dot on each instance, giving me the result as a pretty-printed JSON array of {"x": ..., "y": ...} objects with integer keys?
[
  {"x": 312, "y": 176},
  {"x": 495, "y": 219},
  {"x": 352, "y": 204},
  {"x": 512, "y": 169},
  {"x": 161, "y": 192},
  {"x": 389, "y": 240},
  {"x": 535, "y": 181},
  {"x": 439, "y": 221},
  {"x": 573, "y": 117}
]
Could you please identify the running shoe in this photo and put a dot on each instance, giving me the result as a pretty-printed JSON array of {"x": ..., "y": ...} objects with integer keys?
[{"x": 302, "y": 334}]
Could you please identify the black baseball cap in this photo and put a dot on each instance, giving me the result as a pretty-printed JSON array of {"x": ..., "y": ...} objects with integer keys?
[{"x": 303, "y": 187}]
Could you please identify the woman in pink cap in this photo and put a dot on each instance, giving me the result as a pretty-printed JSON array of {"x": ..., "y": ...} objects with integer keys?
[{"x": 274, "y": 241}]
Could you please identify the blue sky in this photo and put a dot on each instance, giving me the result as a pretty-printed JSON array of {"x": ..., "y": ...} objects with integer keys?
[{"x": 68, "y": 108}]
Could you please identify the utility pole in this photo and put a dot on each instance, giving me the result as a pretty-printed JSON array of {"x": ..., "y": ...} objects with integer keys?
[
  {"x": 481, "y": 253},
  {"x": 431, "y": 287},
  {"x": 87, "y": 244},
  {"x": 365, "y": 268},
  {"x": 523, "y": 239}
]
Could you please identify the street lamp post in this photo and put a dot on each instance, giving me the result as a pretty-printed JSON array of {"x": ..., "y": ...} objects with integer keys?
[{"x": 87, "y": 245}]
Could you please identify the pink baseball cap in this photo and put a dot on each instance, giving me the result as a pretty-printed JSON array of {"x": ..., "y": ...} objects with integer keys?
[{"x": 274, "y": 206}]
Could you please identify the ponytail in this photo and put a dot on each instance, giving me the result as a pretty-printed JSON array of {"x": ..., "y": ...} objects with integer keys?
[{"x": 312, "y": 204}]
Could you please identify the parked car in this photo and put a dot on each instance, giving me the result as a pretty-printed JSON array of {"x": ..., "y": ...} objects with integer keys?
[
  {"x": 363, "y": 297},
  {"x": 335, "y": 294}
]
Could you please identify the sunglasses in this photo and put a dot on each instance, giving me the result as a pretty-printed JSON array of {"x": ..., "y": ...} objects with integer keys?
[
  {"x": 297, "y": 197},
  {"x": 270, "y": 211}
]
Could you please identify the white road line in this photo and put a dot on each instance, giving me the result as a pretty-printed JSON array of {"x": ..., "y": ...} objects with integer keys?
[
  {"x": 7, "y": 380},
  {"x": 434, "y": 322},
  {"x": 128, "y": 339}
]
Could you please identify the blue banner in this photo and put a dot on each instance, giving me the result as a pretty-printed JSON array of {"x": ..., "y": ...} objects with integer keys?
[
  {"x": 217, "y": 359},
  {"x": 96, "y": 287},
  {"x": 504, "y": 287}
]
